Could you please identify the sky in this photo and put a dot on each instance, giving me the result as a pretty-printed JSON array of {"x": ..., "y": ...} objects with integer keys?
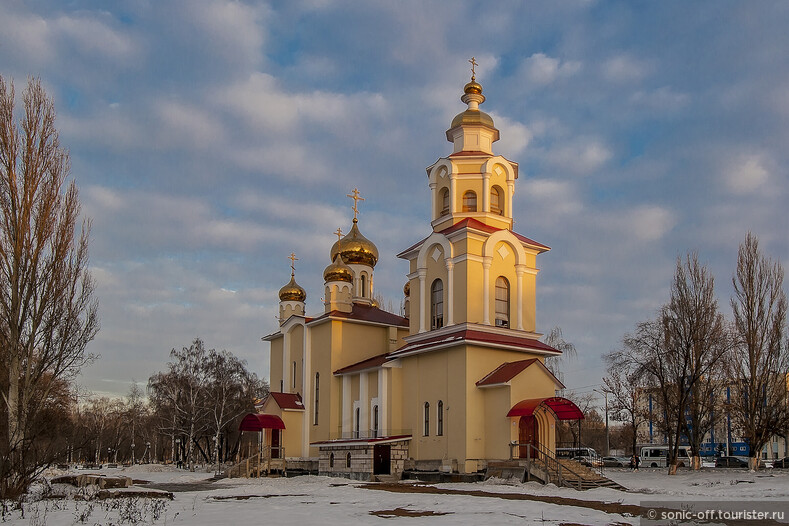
[{"x": 210, "y": 139}]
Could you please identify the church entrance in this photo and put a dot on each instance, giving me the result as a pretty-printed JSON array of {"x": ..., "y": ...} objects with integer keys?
[
  {"x": 275, "y": 441},
  {"x": 527, "y": 434},
  {"x": 382, "y": 459}
]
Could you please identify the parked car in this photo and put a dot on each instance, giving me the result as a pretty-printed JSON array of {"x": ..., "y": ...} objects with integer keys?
[
  {"x": 730, "y": 462},
  {"x": 781, "y": 463},
  {"x": 614, "y": 462}
]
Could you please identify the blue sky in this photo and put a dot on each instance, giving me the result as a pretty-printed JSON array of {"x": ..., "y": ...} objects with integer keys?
[{"x": 210, "y": 138}]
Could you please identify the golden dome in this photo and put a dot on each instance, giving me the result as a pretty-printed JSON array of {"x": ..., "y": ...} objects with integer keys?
[
  {"x": 338, "y": 271},
  {"x": 407, "y": 289},
  {"x": 355, "y": 248},
  {"x": 292, "y": 291},
  {"x": 472, "y": 87},
  {"x": 472, "y": 117}
]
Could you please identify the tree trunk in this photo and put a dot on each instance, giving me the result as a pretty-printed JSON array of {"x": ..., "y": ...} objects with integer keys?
[{"x": 696, "y": 462}]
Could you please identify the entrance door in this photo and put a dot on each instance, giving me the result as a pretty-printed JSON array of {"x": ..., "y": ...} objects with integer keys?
[
  {"x": 382, "y": 460},
  {"x": 527, "y": 434},
  {"x": 275, "y": 436}
]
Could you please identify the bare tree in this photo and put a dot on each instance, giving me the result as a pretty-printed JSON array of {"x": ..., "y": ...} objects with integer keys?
[
  {"x": 626, "y": 389},
  {"x": 555, "y": 364},
  {"x": 679, "y": 356},
  {"x": 48, "y": 313},
  {"x": 760, "y": 361}
]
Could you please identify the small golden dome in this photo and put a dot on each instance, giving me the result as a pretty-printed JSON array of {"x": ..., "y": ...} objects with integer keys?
[
  {"x": 473, "y": 87},
  {"x": 354, "y": 248},
  {"x": 473, "y": 117},
  {"x": 407, "y": 289},
  {"x": 292, "y": 291},
  {"x": 338, "y": 271}
]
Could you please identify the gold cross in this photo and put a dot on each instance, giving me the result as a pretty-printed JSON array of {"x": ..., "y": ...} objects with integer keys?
[
  {"x": 473, "y": 66},
  {"x": 339, "y": 234},
  {"x": 355, "y": 196},
  {"x": 293, "y": 259}
]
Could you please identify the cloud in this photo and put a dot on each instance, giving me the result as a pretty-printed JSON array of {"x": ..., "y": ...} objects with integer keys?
[
  {"x": 540, "y": 69},
  {"x": 515, "y": 137},
  {"x": 747, "y": 174},
  {"x": 660, "y": 99},
  {"x": 625, "y": 68},
  {"x": 580, "y": 156}
]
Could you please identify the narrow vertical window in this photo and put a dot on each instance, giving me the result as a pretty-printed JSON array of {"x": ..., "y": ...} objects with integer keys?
[
  {"x": 496, "y": 201},
  {"x": 317, "y": 396},
  {"x": 440, "y": 418},
  {"x": 444, "y": 201},
  {"x": 427, "y": 418},
  {"x": 437, "y": 305},
  {"x": 293, "y": 385},
  {"x": 358, "y": 419},
  {"x": 331, "y": 460},
  {"x": 348, "y": 460},
  {"x": 469, "y": 202},
  {"x": 502, "y": 302},
  {"x": 375, "y": 421},
  {"x": 364, "y": 286}
]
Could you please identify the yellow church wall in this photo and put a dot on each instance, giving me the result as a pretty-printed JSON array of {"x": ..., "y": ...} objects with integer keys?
[
  {"x": 291, "y": 437},
  {"x": 529, "y": 302},
  {"x": 297, "y": 355},
  {"x": 459, "y": 296},
  {"x": 320, "y": 357},
  {"x": 504, "y": 267},
  {"x": 498, "y": 433},
  {"x": 275, "y": 361},
  {"x": 359, "y": 342}
]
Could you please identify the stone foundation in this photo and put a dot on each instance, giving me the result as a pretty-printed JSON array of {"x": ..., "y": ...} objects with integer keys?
[{"x": 361, "y": 459}]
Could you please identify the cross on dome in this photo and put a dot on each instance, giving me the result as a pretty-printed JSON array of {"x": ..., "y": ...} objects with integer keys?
[
  {"x": 293, "y": 259},
  {"x": 338, "y": 233},
  {"x": 474, "y": 64},
  {"x": 356, "y": 196}
]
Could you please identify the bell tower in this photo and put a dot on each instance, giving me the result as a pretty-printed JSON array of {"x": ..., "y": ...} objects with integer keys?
[{"x": 472, "y": 268}]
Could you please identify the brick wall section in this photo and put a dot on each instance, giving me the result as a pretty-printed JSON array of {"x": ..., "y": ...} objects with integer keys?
[{"x": 361, "y": 460}]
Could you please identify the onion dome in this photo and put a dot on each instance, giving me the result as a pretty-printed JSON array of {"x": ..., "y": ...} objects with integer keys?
[
  {"x": 292, "y": 291},
  {"x": 407, "y": 289},
  {"x": 354, "y": 248},
  {"x": 338, "y": 271},
  {"x": 472, "y": 95}
]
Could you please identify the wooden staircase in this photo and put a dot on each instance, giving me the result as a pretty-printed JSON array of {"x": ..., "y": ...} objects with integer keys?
[
  {"x": 259, "y": 464},
  {"x": 541, "y": 465}
]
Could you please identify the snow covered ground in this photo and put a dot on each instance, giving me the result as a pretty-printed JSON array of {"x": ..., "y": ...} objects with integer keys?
[{"x": 332, "y": 501}]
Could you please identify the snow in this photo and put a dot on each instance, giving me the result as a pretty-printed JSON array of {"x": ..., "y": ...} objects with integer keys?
[{"x": 336, "y": 501}]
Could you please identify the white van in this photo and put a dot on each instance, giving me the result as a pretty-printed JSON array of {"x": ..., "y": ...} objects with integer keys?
[
  {"x": 585, "y": 455},
  {"x": 657, "y": 456}
]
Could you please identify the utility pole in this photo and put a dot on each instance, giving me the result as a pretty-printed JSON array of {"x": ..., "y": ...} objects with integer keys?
[{"x": 607, "y": 435}]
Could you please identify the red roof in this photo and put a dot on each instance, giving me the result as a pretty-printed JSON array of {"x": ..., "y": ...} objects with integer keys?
[
  {"x": 506, "y": 372},
  {"x": 369, "y": 363},
  {"x": 287, "y": 400},
  {"x": 367, "y": 313},
  {"x": 469, "y": 154},
  {"x": 475, "y": 336},
  {"x": 563, "y": 408},
  {"x": 257, "y": 421}
]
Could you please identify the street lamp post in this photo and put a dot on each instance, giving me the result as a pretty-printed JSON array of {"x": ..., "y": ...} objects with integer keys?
[{"x": 607, "y": 436}]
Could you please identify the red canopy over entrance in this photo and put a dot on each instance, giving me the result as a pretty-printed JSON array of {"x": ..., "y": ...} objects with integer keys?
[
  {"x": 256, "y": 422},
  {"x": 563, "y": 408}
]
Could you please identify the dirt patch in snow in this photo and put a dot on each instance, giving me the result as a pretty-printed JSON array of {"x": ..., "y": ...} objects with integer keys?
[{"x": 402, "y": 512}]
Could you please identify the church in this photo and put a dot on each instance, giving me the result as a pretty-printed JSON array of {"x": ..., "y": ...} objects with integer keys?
[{"x": 458, "y": 381}]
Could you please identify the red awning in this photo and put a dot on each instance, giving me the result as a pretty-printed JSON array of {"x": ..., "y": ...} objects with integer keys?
[
  {"x": 256, "y": 422},
  {"x": 563, "y": 408}
]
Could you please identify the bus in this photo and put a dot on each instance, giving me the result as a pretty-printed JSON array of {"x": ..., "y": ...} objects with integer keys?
[{"x": 657, "y": 456}]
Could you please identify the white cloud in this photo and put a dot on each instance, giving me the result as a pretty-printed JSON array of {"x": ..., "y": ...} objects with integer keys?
[
  {"x": 660, "y": 99},
  {"x": 747, "y": 174},
  {"x": 649, "y": 222},
  {"x": 515, "y": 137},
  {"x": 187, "y": 125},
  {"x": 94, "y": 37},
  {"x": 581, "y": 156},
  {"x": 541, "y": 69},
  {"x": 625, "y": 68},
  {"x": 556, "y": 196}
]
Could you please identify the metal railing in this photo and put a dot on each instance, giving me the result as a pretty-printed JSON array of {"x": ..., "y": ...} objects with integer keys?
[
  {"x": 542, "y": 457},
  {"x": 265, "y": 460}
]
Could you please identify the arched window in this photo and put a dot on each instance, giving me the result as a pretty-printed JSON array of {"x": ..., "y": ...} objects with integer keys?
[
  {"x": 496, "y": 201},
  {"x": 375, "y": 421},
  {"x": 444, "y": 201},
  {"x": 440, "y": 418},
  {"x": 502, "y": 302},
  {"x": 437, "y": 304},
  {"x": 358, "y": 419},
  {"x": 331, "y": 460},
  {"x": 364, "y": 285},
  {"x": 427, "y": 418},
  {"x": 469, "y": 201},
  {"x": 317, "y": 397},
  {"x": 348, "y": 460}
]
